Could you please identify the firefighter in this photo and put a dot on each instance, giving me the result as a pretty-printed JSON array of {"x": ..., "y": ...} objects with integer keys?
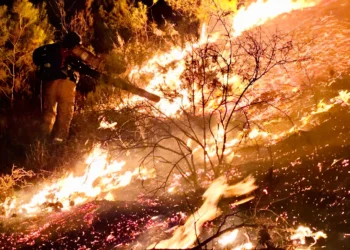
[
  {"x": 59, "y": 84},
  {"x": 59, "y": 65}
]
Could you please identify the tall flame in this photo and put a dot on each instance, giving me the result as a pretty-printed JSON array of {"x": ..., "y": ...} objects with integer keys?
[
  {"x": 175, "y": 62},
  {"x": 245, "y": 19},
  {"x": 100, "y": 177}
]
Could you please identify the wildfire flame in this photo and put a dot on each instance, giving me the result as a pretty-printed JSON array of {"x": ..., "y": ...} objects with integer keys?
[
  {"x": 343, "y": 97},
  {"x": 245, "y": 19},
  {"x": 104, "y": 124},
  {"x": 101, "y": 176},
  {"x": 302, "y": 232},
  {"x": 259, "y": 12},
  {"x": 228, "y": 238},
  {"x": 185, "y": 236},
  {"x": 246, "y": 246},
  {"x": 175, "y": 62},
  {"x": 322, "y": 107},
  {"x": 99, "y": 179}
]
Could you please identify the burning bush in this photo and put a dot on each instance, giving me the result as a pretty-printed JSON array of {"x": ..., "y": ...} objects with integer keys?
[{"x": 208, "y": 98}]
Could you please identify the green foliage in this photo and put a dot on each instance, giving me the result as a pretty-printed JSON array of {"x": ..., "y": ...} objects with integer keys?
[
  {"x": 24, "y": 27},
  {"x": 115, "y": 63},
  {"x": 125, "y": 15},
  {"x": 130, "y": 41},
  {"x": 185, "y": 6},
  {"x": 81, "y": 22},
  {"x": 3, "y": 20},
  {"x": 203, "y": 9},
  {"x": 129, "y": 28}
]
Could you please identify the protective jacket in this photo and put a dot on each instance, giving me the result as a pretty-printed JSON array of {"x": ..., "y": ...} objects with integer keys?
[
  {"x": 59, "y": 82},
  {"x": 53, "y": 61}
]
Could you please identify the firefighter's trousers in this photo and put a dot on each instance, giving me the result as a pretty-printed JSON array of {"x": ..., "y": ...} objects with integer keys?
[{"x": 58, "y": 108}]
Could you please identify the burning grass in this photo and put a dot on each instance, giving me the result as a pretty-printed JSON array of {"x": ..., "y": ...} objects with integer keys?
[{"x": 234, "y": 90}]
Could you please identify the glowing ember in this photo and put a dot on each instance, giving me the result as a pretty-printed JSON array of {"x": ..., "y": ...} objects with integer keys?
[{"x": 186, "y": 235}]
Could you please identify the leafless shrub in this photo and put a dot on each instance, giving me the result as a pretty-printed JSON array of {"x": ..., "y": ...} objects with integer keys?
[
  {"x": 214, "y": 108},
  {"x": 17, "y": 179},
  {"x": 215, "y": 97}
]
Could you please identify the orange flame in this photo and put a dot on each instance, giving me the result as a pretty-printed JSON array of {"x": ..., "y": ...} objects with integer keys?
[
  {"x": 246, "y": 246},
  {"x": 343, "y": 97},
  {"x": 302, "y": 232},
  {"x": 99, "y": 179},
  {"x": 259, "y": 12},
  {"x": 185, "y": 236},
  {"x": 228, "y": 238},
  {"x": 245, "y": 19},
  {"x": 175, "y": 63},
  {"x": 104, "y": 124},
  {"x": 322, "y": 107}
]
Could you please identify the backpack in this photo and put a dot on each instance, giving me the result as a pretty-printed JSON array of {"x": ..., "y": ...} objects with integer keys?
[{"x": 50, "y": 59}]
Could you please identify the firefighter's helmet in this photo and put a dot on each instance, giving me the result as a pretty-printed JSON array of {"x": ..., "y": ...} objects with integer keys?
[{"x": 71, "y": 40}]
